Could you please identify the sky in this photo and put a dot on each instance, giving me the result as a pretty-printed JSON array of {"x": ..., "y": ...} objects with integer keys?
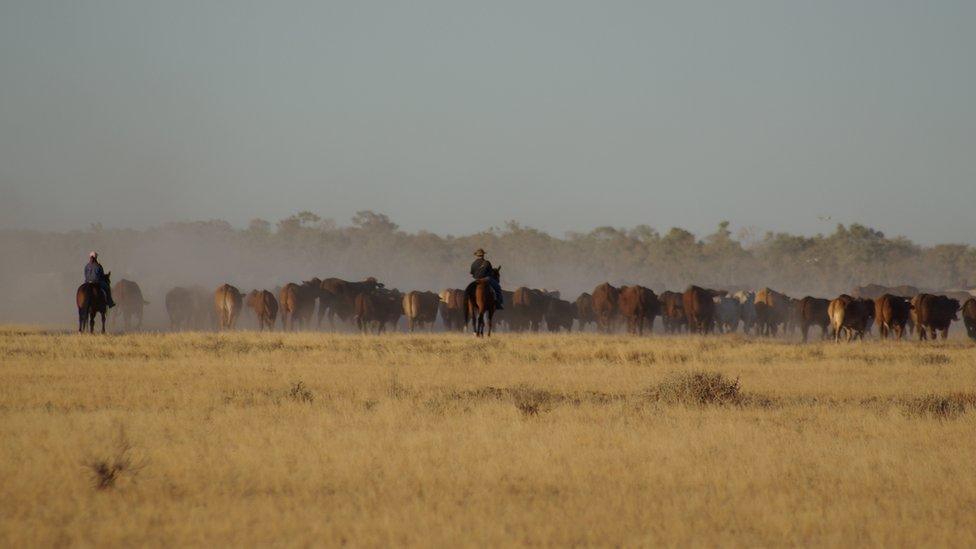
[{"x": 457, "y": 116}]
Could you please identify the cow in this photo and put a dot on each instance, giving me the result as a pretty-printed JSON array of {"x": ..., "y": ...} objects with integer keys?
[
  {"x": 390, "y": 307},
  {"x": 452, "y": 309},
  {"x": 875, "y": 291},
  {"x": 814, "y": 312},
  {"x": 792, "y": 316},
  {"x": 852, "y": 314},
  {"x": 605, "y": 298},
  {"x": 969, "y": 317},
  {"x": 772, "y": 310},
  {"x": 375, "y": 309},
  {"x": 584, "y": 310},
  {"x": 560, "y": 315},
  {"x": 748, "y": 309},
  {"x": 699, "y": 305},
  {"x": 728, "y": 314},
  {"x": 420, "y": 308},
  {"x": 891, "y": 314},
  {"x": 297, "y": 304},
  {"x": 265, "y": 308},
  {"x": 180, "y": 308},
  {"x": 528, "y": 308},
  {"x": 935, "y": 313},
  {"x": 337, "y": 297},
  {"x": 672, "y": 312},
  {"x": 228, "y": 303},
  {"x": 128, "y": 297},
  {"x": 637, "y": 305}
]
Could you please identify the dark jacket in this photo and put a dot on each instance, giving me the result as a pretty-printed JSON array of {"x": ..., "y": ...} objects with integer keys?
[
  {"x": 481, "y": 268},
  {"x": 94, "y": 272}
]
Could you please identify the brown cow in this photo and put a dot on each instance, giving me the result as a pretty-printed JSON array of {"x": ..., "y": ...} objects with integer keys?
[
  {"x": 852, "y": 314},
  {"x": 699, "y": 305},
  {"x": 584, "y": 310},
  {"x": 297, "y": 304},
  {"x": 969, "y": 317},
  {"x": 181, "y": 308},
  {"x": 772, "y": 310},
  {"x": 605, "y": 298},
  {"x": 265, "y": 308},
  {"x": 814, "y": 311},
  {"x": 528, "y": 308},
  {"x": 228, "y": 303},
  {"x": 673, "y": 312},
  {"x": 452, "y": 309},
  {"x": 560, "y": 315},
  {"x": 891, "y": 314},
  {"x": 935, "y": 313},
  {"x": 390, "y": 307},
  {"x": 337, "y": 298},
  {"x": 128, "y": 297},
  {"x": 637, "y": 305},
  {"x": 420, "y": 308}
]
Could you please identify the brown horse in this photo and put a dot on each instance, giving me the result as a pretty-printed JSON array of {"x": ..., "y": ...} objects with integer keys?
[
  {"x": 91, "y": 300},
  {"x": 479, "y": 298}
]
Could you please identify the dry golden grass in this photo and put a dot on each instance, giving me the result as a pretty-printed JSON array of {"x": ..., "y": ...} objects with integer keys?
[{"x": 247, "y": 439}]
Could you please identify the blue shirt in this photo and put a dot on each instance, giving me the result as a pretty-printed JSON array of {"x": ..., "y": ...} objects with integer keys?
[{"x": 94, "y": 272}]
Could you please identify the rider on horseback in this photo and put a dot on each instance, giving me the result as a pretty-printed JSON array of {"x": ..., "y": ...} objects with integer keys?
[
  {"x": 481, "y": 268},
  {"x": 95, "y": 274}
]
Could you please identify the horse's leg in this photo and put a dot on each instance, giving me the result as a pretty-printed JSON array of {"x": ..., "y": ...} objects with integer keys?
[
  {"x": 491, "y": 316},
  {"x": 103, "y": 321},
  {"x": 91, "y": 321},
  {"x": 81, "y": 319}
]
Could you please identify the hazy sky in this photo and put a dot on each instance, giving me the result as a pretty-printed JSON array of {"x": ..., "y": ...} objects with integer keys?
[{"x": 455, "y": 116}]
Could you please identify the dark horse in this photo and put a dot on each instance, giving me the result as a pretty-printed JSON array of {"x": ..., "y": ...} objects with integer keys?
[
  {"x": 91, "y": 300},
  {"x": 478, "y": 300}
]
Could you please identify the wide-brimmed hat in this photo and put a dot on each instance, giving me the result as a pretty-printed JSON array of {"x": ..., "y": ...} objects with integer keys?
[{"x": 479, "y": 252}]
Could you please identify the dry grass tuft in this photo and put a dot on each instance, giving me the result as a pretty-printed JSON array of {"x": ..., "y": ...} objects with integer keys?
[
  {"x": 697, "y": 389},
  {"x": 949, "y": 406},
  {"x": 107, "y": 471},
  {"x": 300, "y": 393}
]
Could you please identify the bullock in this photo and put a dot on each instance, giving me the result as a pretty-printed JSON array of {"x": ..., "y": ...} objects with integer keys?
[
  {"x": 390, "y": 307},
  {"x": 814, "y": 312},
  {"x": 584, "y": 310},
  {"x": 560, "y": 315},
  {"x": 452, "y": 309},
  {"x": 338, "y": 298},
  {"x": 420, "y": 308},
  {"x": 265, "y": 308},
  {"x": 297, "y": 303},
  {"x": 129, "y": 301},
  {"x": 672, "y": 312},
  {"x": 891, "y": 313},
  {"x": 969, "y": 317},
  {"x": 228, "y": 302},
  {"x": 181, "y": 308},
  {"x": 528, "y": 308},
  {"x": 605, "y": 298},
  {"x": 852, "y": 314},
  {"x": 935, "y": 313},
  {"x": 699, "y": 305},
  {"x": 748, "y": 309},
  {"x": 728, "y": 313},
  {"x": 772, "y": 310},
  {"x": 637, "y": 305}
]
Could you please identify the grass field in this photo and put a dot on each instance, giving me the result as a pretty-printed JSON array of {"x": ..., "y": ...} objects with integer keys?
[{"x": 309, "y": 439}]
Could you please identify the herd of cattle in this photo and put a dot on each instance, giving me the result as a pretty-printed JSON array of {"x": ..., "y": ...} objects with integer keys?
[{"x": 370, "y": 306}]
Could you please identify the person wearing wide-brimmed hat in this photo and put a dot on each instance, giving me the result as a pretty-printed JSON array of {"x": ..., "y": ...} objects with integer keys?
[
  {"x": 94, "y": 273},
  {"x": 481, "y": 268}
]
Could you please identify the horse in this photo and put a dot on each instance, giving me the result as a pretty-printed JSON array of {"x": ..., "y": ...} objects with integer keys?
[
  {"x": 479, "y": 298},
  {"x": 91, "y": 300}
]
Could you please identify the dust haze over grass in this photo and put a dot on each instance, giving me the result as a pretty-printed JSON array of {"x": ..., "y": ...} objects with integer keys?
[
  {"x": 294, "y": 439},
  {"x": 45, "y": 268}
]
